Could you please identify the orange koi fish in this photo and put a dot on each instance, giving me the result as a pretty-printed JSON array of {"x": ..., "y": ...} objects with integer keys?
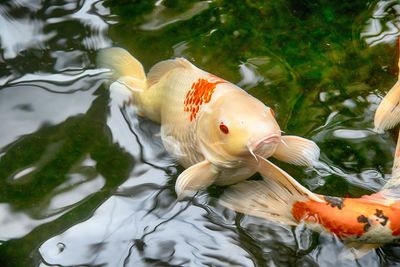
[
  {"x": 373, "y": 219},
  {"x": 216, "y": 130}
]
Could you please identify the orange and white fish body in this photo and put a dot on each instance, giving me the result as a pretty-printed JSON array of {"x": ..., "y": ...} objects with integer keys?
[
  {"x": 216, "y": 130},
  {"x": 369, "y": 219},
  {"x": 373, "y": 219}
]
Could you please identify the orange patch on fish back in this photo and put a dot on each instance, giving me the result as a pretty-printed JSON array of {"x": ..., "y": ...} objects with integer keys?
[
  {"x": 199, "y": 94},
  {"x": 349, "y": 217},
  {"x": 395, "y": 218}
]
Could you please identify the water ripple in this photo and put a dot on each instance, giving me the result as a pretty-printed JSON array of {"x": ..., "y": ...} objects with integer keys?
[
  {"x": 71, "y": 93},
  {"x": 163, "y": 16},
  {"x": 384, "y": 24},
  {"x": 17, "y": 35},
  {"x": 87, "y": 182}
]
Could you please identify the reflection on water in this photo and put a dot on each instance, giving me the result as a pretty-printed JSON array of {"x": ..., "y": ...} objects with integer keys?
[
  {"x": 384, "y": 24},
  {"x": 122, "y": 231},
  {"x": 19, "y": 34},
  {"x": 85, "y": 181},
  {"x": 36, "y": 100},
  {"x": 163, "y": 16}
]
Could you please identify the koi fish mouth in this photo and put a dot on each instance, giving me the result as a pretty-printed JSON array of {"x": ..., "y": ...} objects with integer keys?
[
  {"x": 269, "y": 139},
  {"x": 264, "y": 146}
]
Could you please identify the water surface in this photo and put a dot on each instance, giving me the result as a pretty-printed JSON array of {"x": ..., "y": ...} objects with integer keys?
[{"x": 85, "y": 182}]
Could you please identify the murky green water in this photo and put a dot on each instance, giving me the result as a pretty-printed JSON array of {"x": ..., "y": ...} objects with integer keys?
[{"x": 86, "y": 183}]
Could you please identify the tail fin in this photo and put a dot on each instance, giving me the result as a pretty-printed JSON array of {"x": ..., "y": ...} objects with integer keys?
[
  {"x": 388, "y": 113},
  {"x": 271, "y": 199},
  {"x": 126, "y": 69}
]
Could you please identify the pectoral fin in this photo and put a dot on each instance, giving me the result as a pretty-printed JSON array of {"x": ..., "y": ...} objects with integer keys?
[
  {"x": 271, "y": 198},
  {"x": 387, "y": 114},
  {"x": 297, "y": 150},
  {"x": 194, "y": 178},
  {"x": 270, "y": 171},
  {"x": 264, "y": 199}
]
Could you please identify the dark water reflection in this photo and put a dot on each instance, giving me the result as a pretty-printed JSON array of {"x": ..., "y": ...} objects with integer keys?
[{"x": 85, "y": 182}]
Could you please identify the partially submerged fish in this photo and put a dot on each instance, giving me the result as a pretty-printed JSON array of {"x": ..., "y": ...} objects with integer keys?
[
  {"x": 216, "y": 130},
  {"x": 373, "y": 219},
  {"x": 388, "y": 113}
]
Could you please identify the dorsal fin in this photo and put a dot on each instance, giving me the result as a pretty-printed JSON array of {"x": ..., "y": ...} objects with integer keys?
[{"x": 163, "y": 67}]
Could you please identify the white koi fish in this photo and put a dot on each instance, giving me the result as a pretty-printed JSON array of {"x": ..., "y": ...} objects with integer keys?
[{"x": 216, "y": 130}]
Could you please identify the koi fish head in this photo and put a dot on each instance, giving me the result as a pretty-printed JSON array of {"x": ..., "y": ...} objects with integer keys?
[{"x": 237, "y": 127}]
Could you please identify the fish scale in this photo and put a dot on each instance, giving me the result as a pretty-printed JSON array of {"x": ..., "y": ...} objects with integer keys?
[{"x": 177, "y": 128}]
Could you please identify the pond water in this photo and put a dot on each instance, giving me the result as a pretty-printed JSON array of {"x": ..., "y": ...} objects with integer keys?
[{"x": 85, "y": 182}]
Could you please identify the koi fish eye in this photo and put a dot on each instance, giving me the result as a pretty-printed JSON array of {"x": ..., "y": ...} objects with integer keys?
[{"x": 224, "y": 128}]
